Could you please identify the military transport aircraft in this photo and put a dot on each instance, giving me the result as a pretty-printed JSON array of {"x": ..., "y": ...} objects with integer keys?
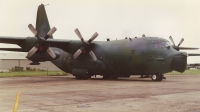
[{"x": 145, "y": 56}]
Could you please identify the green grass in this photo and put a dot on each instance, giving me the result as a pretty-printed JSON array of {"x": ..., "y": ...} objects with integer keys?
[
  {"x": 32, "y": 74},
  {"x": 187, "y": 72}
]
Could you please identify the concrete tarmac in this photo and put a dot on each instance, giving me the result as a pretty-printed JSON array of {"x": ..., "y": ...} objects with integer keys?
[{"x": 178, "y": 93}]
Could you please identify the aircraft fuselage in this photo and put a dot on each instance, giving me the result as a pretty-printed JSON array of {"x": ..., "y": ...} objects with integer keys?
[{"x": 138, "y": 56}]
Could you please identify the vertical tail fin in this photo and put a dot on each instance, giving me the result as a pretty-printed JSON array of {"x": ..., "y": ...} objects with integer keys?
[{"x": 42, "y": 23}]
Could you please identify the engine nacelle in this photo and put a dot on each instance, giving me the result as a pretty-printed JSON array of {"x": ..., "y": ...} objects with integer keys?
[{"x": 43, "y": 56}]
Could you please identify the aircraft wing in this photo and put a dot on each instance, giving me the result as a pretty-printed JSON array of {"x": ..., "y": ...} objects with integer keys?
[
  {"x": 188, "y": 48},
  {"x": 12, "y": 40},
  {"x": 67, "y": 45},
  {"x": 193, "y": 54},
  {"x": 59, "y": 43},
  {"x": 12, "y": 49}
]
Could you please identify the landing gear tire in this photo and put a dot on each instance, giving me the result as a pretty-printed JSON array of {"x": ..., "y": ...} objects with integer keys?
[
  {"x": 83, "y": 77},
  {"x": 160, "y": 77},
  {"x": 114, "y": 77},
  {"x": 86, "y": 77},
  {"x": 157, "y": 77},
  {"x": 106, "y": 77},
  {"x": 78, "y": 77}
]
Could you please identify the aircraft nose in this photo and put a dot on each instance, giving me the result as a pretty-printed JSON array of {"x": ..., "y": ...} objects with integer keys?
[{"x": 179, "y": 62}]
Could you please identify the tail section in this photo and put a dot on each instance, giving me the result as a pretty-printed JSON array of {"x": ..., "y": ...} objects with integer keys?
[{"x": 42, "y": 23}]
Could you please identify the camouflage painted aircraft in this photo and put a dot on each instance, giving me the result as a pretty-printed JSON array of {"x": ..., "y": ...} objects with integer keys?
[{"x": 145, "y": 56}]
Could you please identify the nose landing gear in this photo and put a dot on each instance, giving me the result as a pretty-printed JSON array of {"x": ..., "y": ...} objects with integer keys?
[{"x": 157, "y": 77}]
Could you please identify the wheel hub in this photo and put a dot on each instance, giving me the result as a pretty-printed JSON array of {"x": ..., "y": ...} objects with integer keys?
[{"x": 154, "y": 77}]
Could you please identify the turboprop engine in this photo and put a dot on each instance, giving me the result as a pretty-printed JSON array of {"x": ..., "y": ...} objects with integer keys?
[{"x": 41, "y": 51}]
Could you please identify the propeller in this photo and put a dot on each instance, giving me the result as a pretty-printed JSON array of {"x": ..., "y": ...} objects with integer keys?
[
  {"x": 85, "y": 45},
  {"x": 41, "y": 42},
  {"x": 178, "y": 46}
]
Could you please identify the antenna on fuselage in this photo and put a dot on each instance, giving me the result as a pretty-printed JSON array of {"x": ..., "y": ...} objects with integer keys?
[
  {"x": 143, "y": 35},
  {"x": 108, "y": 39}
]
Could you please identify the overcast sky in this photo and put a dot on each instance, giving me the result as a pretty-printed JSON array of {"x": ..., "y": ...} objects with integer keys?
[{"x": 110, "y": 18}]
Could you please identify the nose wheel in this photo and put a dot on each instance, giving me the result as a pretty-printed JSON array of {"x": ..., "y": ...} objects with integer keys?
[{"x": 157, "y": 77}]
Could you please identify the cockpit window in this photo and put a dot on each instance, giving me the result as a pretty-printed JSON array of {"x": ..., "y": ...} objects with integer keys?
[
  {"x": 166, "y": 43},
  {"x": 161, "y": 45},
  {"x": 154, "y": 41},
  {"x": 157, "y": 44},
  {"x": 152, "y": 46}
]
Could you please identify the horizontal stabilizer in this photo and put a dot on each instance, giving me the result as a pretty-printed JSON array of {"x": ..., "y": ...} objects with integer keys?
[
  {"x": 193, "y": 54},
  {"x": 188, "y": 48}
]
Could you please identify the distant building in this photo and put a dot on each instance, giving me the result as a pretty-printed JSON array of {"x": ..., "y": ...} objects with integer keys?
[
  {"x": 8, "y": 61},
  {"x": 193, "y": 66}
]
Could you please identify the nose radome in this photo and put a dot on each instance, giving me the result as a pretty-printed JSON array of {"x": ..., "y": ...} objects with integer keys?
[{"x": 179, "y": 63}]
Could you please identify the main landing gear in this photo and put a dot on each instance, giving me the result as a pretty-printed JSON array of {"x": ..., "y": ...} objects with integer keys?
[
  {"x": 83, "y": 77},
  {"x": 157, "y": 77},
  {"x": 106, "y": 77}
]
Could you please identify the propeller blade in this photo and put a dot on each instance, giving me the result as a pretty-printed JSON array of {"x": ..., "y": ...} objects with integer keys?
[
  {"x": 51, "y": 32},
  {"x": 77, "y": 53},
  {"x": 78, "y": 33},
  {"x": 32, "y": 51},
  {"x": 93, "y": 55},
  {"x": 93, "y": 37},
  {"x": 33, "y": 30},
  {"x": 180, "y": 42},
  {"x": 51, "y": 53},
  {"x": 172, "y": 40}
]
